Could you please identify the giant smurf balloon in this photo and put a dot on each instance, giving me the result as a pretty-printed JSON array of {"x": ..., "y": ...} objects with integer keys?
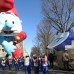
[
  {"x": 11, "y": 31},
  {"x": 10, "y": 28}
]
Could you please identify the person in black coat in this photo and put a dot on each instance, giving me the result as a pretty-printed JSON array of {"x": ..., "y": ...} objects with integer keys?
[{"x": 51, "y": 59}]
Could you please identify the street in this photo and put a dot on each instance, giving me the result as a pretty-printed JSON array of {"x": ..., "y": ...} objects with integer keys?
[{"x": 32, "y": 72}]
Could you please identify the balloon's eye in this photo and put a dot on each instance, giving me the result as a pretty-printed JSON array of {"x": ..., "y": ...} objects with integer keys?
[
  {"x": 5, "y": 20},
  {"x": 13, "y": 22}
]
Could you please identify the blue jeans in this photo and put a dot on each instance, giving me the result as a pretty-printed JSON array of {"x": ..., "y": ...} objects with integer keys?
[
  {"x": 36, "y": 70},
  {"x": 20, "y": 64},
  {"x": 10, "y": 66},
  {"x": 17, "y": 66},
  {"x": 45, "y": 70},
  {"x": 3, "y": 67},
  {"x": 27, "y": 70}
]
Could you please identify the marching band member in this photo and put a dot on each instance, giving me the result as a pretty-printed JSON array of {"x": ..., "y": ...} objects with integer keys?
[
  {"x": 36, "y": 66},
  {"x": 10, "y": 63},
  {"x": 27, "y": 64},
  {"x": 32, "y": 62},
  {"x": 40, "y": 63},
  {"x": 22, "y": 58},
  {"x": 3, "y": 63},
  {"x": 45, "y": 64},
  {"x": 20, "y": 62},
  {"x": 16, "y": 64}
]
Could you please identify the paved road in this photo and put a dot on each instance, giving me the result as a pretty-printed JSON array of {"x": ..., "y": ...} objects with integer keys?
[{"x": 50, "y": 72}]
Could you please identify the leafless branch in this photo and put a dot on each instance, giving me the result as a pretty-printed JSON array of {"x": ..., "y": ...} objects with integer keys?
[{"x": 59, "y": 13}]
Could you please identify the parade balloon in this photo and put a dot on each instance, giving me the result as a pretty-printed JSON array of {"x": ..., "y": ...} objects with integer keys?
[
  {"x": 20, "y": 37},
  {"x": 17, "y": 53},
  {"x": 17, "y": 38},
  {"x": 8, "y": 5},
  {"x": 61, "y": 41},
  {"x": 10, "y": 28}
]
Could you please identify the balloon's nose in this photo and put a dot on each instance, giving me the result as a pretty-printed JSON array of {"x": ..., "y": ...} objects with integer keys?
[{"x": 8, "y": 24}]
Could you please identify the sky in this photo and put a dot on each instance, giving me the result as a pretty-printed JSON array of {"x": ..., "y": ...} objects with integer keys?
[{"x": 30, "y": 14}]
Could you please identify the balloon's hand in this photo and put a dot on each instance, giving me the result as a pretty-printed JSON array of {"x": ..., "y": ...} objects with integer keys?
[{"x": 8, "y": 47}]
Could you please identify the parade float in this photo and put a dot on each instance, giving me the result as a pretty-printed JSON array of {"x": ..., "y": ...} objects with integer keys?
[
  {"x": 11, "y": 32},
  {"x": 63, "y": 41}
]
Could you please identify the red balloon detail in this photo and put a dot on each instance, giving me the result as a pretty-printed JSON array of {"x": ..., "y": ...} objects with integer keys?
[
  {"x": 8, "y": 5},
  {"x": 22, "y": 36},
  {"x": 18, "y": 53}
]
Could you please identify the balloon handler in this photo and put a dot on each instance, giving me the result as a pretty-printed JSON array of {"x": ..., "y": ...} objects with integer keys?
[{"x": 11, "y": 34}]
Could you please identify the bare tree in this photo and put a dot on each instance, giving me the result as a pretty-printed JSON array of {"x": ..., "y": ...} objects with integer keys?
[
  {"x": 44, "y": 35},
  {"x": 35, "y": 50},
  {"x": 59, "y": 13}
]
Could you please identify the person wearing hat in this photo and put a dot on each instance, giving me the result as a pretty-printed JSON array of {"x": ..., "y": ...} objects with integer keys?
[
  {"x": 10, "y": 63},
  {"x": 36, "y": 66},
  {"x": 3, "y": 63},
  {"x": 20, "y": 62},
  {"x": 45, "y": 64},
  {"x": 27, "y": 65},
  {"x": 32, "y": 62},
  {"x": 16, "y": 64}
]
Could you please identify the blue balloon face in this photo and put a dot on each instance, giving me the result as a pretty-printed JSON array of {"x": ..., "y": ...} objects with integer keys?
[
  {"x": 61, "y": 41},
  {"x": 10, "y": 24}
]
